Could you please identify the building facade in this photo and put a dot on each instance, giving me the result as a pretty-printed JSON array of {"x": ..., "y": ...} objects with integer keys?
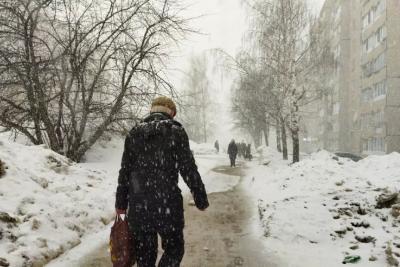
[
  {"x": 338, "y": 29},
  {"x": 380, "y": 77},
  {"x": 360, "y": 107}
]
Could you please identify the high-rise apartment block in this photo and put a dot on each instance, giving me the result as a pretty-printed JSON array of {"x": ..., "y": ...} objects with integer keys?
[{"x": 359, "y": 111}]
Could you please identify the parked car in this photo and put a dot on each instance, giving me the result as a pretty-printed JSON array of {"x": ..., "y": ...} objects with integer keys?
[{"x": 348, "y": 155}]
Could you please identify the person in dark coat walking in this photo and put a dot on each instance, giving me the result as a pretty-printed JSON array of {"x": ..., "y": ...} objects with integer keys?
[
  {"x": 216, "y": 145},
  {"x": 232, "y": 151},
  {"x": 156, "y": 151}
]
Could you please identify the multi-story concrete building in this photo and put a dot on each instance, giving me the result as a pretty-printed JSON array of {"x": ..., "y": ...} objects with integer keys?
[
  {"x": 380, "y": 77},
  {"x": 338, "y": 26},
  {"x": 360, "y": 108}
]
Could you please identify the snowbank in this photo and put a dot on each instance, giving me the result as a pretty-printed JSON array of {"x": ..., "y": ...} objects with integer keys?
[
  {"x": 202, "y": 149},
  {"x": 57, "y": 204},
  {"x": 48, "y": 203},
  {"x": 316, "y": 212}
]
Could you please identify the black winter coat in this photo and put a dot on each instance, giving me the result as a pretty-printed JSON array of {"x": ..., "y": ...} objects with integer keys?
[
  {"x": 156, "y": 151},
  {"x": 232, "y": 149}
]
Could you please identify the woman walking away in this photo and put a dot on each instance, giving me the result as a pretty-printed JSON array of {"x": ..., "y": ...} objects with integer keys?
[{"x": 156, "y": 151}]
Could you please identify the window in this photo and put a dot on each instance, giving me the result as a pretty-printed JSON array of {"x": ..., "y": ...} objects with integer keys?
[
  {"x": 380, "y": 8},
  {"x": 380, "y": 89},
  {"x": 374, "y": 144},
  {"x": 381, "y": 34},
  {"x": 374, "y": 66},
  {"x": 379, "y": 119},
  {"x": 371, "y": 16},
  {"x": 365, "y": 121},
  {"x": 366, "y": 95},
  {"x": 375, "y": 40},
  {"x": 365, "y": 145},
  {"x": 374, "y": 120},
  {"x": 368, "y": 69},
  {"x": 365, "y": 47},
  {"x": 374, "y": 14},
  {"x": 365, "y": 21},
  {"x": 380, "y": 62},
  {"x": 372, "y": 42}
]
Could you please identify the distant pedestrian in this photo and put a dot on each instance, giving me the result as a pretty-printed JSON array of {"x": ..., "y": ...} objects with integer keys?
[
  {"x": 156, "y": 151},
  {"x": 242, "y": 148},
  {"x": 248, "y": 152},
  {"x": 240, "y": 151},
  {"x": 216, "y": 145},
  {"x": 232, "y": 152}
]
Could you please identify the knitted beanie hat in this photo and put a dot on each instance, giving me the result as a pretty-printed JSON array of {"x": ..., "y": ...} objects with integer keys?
[{"x": 163, "y": 104}]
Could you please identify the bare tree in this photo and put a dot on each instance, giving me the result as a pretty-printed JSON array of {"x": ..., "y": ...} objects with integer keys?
[
  {"x": 248, "y": 100},
  {"x": 73, "y": 69},
  {"x": 286, "y": 55},
  {"x": 282, "y": 36},
  {"x": 197, "y": 103}
]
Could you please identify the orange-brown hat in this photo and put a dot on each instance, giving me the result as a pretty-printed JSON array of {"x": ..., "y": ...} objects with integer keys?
[{"x": 163, "y": 104}]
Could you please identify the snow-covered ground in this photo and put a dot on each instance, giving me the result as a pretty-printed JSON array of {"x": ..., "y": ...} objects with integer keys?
[
  {"x": 313, "y": 211},
  {"x": 107, "y": 158},
  {"x": 50, "y": 204}
]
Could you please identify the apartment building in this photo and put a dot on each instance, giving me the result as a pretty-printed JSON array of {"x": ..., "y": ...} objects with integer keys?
[
  {"x": 339, "y": 28},
  {"x": 379, "y": 111},
  {"x": 360, "y": 109}
]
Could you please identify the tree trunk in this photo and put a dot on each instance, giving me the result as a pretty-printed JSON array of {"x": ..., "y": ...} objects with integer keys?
[
  {"x": 294, "y": 130},
  {"x": 296, "y": 146},
  {"x": 278, "y": 137},
  {"x": 37, "y": 86},
  {"x": 284, "y": 141},
  {"x": 266, "y": 133},
  {"x": 257, "y": 141},
  {"x": 256, "y": 138}
]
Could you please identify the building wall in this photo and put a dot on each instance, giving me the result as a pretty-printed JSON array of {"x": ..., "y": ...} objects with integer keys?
[
  {"x": 354, "y": 140},
  {"x": 332, "y": 29},
  {"x": 379, "y": 112},
  {"x": 360, "y": 110},
  {"x": 393, "y": 77},
  {"x": 349, "y": 82},
  {"x": 342, "y": 26}
]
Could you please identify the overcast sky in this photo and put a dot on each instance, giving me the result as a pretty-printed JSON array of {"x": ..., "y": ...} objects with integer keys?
[{"x": 222, "y": 23}]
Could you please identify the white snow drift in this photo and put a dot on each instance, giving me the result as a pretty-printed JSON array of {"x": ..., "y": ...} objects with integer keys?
[
  {"x": 314, "y": 211},
  {"x": 48, "y": 203}
]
